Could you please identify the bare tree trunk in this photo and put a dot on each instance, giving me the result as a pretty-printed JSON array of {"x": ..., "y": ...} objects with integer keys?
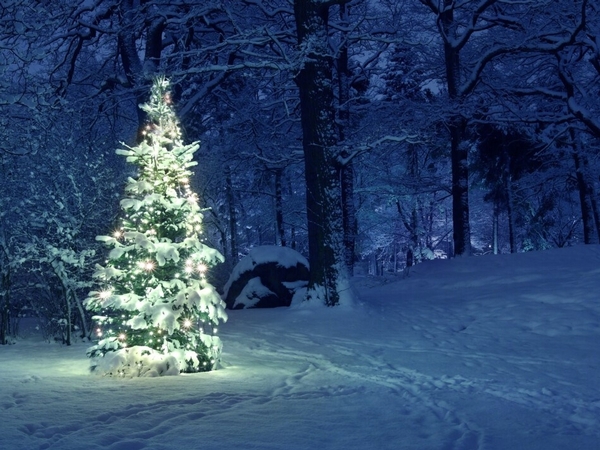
[
  {"x": 589, "y": 214},
  {"x": 509, "y": 211},
  {"x": 349, "y": 215},
  {"x": 460, "y": 190},
  {"x": 5, "y": 286},
  {"x": 589, "y": 233},
  {"x": 66, "y": 293},
  {"x": 232, "y": 216},
  {"x": 415, "y": 228},
  {"x": 5, "y": 307},
  {"x": 495, "y": 218},
  {"x": 279, "y": 208},
  {"x": 595, "y": 211},
  {"x": 84, "y": 325},
  {"x": 347, "y": 172}
]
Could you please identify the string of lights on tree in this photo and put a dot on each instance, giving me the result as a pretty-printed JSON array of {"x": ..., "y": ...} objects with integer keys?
[{"x": 153, "y": 288}]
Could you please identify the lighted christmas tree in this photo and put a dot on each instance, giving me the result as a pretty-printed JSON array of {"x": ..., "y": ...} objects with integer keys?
[{"x": 156, "y": 313}]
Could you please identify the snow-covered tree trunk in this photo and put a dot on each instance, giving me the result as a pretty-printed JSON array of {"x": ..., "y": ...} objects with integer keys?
[{"x": 323, "y": 190}]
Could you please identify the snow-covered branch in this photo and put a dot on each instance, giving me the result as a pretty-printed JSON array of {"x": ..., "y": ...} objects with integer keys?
[{"x": 346, "y": 155}]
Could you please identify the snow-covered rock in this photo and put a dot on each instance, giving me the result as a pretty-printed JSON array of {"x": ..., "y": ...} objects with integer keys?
[{"x": 267, "y": 277}]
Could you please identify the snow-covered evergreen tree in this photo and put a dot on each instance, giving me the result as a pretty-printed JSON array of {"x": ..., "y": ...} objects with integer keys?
[{"x": 156, "y": 313}]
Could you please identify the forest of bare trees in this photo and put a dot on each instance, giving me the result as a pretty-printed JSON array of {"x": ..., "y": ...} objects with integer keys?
[{"x": 353, "y": 131}]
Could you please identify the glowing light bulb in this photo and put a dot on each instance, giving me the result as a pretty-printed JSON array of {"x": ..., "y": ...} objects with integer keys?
[
  {"x": 117, "y": 234},
  {"x": 187, "y": 323},
  {"x": 202, "y": 268},
  {"x": 148, "y": 266}
]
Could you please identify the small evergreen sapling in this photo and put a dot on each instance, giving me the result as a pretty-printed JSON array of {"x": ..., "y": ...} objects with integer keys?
[{"x": 156, "y": 313}]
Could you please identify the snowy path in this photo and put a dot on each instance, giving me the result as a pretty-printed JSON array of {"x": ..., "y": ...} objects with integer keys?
[
  {"x": 500, "y": 353},
  {"x": 490, "y": 399}
]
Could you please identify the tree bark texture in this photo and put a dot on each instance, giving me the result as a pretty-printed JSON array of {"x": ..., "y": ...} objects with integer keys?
[
  {"x": 458, "y": 147},
  {"x": 347, "y": 171},
  {"x": 512, "y": 226},
  {"x": 319, "y": 137},
  {"x": 138, "y": 72},
  {"x": 279, "y": 207},
  {"x": 495, "y": 219},
  {"x": 460, "y": 189},
  {"x": 589, "y": 215},
  {"x": 349, "y": 215},
  {"x": 5, "y": 308},
  {"x": 232, "y": 216}
]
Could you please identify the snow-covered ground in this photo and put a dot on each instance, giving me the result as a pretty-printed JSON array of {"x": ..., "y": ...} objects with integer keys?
[{"x": 493, "y": 352}]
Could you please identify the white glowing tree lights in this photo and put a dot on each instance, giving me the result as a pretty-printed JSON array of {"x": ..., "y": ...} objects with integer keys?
[{"x": 155, "y": 312}]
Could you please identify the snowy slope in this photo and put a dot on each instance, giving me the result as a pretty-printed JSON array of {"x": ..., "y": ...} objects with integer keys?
[{"x": 493, "y": 352}]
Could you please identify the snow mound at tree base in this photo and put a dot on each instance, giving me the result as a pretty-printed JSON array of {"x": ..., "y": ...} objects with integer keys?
[{"x": 141, "y": 361}]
